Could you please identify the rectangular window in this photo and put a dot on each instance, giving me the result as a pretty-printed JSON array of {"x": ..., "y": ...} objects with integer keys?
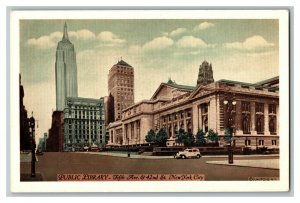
[
  {"x": 272, "y": 109},
  {"x": 247, "y": 142},
  {"x": 259, "y": 107},
  {"x": 189, "y": 113},
  {"x": 261, "y": 142},
  {"x": 274, "y": 142},
  {"x": 246, "y": 106}
]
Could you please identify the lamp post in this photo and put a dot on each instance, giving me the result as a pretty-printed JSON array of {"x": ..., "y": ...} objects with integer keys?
[
  {"x": 33, "y": 145},
  {"x": 230, "y": 123},
  {"x": 128, "y": 147}
]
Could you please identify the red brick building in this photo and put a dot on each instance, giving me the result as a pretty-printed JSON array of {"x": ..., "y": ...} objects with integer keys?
[{"x": 120, "y": 87}]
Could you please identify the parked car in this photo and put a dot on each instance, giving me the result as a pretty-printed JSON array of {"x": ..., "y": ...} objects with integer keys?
[
  {"x": 94, "y": 149},
  {"x": 188, "y": 153},
  {"x": 39, "y": 153}
]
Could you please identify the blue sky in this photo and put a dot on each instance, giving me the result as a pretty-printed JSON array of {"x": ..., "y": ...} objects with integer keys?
[{"x": 242, "y": 50}]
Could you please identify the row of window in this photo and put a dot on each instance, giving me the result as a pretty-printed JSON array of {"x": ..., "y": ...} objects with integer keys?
[
  {"x": 84, "y": 131},
  {"x": 86, "y": 108},
  {"x": 259, "y": 124},
  {"x": 79, "y": 140},
  {"x": 83, "y": 122},
  {"x": 176, "y": 116},
  {"x": 259, "y": 107},
  {"x": 260, "y": 142},
  {"x": 124, "y": 70}
]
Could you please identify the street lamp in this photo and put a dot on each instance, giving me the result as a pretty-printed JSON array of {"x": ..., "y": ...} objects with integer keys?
[
  {"x": 128, "y": 147},
  {"x": 230, "y": 115},
  {"x": 33, "y": 145}
]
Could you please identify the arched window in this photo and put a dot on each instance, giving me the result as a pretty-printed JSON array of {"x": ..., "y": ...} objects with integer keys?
[
  {"x": 206, "y": 124},
  {"x": 189, "y": 127},
  {"x": 170, "y": 131},
  {"x": 259, "y": 125},
  {"x": 246, "y": 125},
  {"x": 272, "y": 126},
  {"x": 175, "y": 129}
]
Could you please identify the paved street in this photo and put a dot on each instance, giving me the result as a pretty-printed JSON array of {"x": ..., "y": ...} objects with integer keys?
[{"x": 52, "y": 163}]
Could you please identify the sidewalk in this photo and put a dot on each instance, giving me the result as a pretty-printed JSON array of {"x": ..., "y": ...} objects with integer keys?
[
  {"x": 132, "y": 156},
  {"x": 27, "y": 177},
  {"x": 258, "y": 163},
  {"x": 137, "y": 156},
  {"x": 26, "y": 157}
]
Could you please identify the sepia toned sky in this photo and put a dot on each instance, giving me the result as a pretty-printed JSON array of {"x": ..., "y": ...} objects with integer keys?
[{"x": 241, "y": 50}]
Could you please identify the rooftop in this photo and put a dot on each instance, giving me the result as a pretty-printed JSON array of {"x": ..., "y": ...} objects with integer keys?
[
  {"x": 123, "y": 63},
  {"x": 172, "y": 83}
]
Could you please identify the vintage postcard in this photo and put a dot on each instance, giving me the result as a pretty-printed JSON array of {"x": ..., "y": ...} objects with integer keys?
[{"x": 149, "y": 101}]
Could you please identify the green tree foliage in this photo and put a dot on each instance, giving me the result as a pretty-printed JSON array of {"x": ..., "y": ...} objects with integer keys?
[
  {"x": 151, "y": 137},
  {"x": 200, "y": 137},
  {"x": 228, "y": 135},
  {"x": 161, "y": 137},
  {"x": 212, "y": 136},
  {"x": 180, "y": 136},
  {"x": 189, "y": 139}
]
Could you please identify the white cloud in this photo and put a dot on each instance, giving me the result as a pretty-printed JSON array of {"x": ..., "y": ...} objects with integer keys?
[
  {"x": 251, "y": 43},
  {"x": 51, "y": 40},
  {"x": 204, "y": 25},
  {"x": 110, "y": 39},
  {"x": 191, "y": 42},
  {"x": 158, "y": 43},
  {"x": 178, "y": 31},
  {"x": 56, "y": 36},
  {"x": 83, "y": 34},
  {"x": 43, "y": 42}
]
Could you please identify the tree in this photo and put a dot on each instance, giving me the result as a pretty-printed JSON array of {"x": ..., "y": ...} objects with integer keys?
[
  {"x": 228, "y": 135},
  {"x": 212, "y": 136},
  {"x": 200, "y": 137},
  {"x": 161, "y": 137},
  {"x": 151, "y": 137},
  {"x": 180, "y": 136},
  {"x": 189, "y": 139}
]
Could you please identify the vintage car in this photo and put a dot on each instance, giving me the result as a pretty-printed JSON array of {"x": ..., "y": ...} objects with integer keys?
[{"x": 188, "y": 153}]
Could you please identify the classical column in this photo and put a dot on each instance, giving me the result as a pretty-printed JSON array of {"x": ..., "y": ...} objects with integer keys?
[
  {"x": 208, "y": 116},
  {"x": 266, "y": 119},
  {"x": 184, "y": 123},
  {"x": 194, "y": 119},
  {"x": 199, "y": 117},
  {"x": 172, "y": 128},
  {"x": 252, "y": 114},
  {"x": 277, "y": 119},
  {"x": 139, "y": 130},
  {"x": 135, "y": 131},
  {"x": 238, "y": 118}
]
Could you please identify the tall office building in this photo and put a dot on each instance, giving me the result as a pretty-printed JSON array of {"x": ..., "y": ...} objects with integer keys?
[
  {"x": 65, "y": 71},
  {"x": 121, "y": 87},
  {"x": 205, "y": 75}
]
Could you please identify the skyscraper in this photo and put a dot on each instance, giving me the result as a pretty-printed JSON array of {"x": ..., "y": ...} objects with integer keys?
[
  {"x": 121, "y": 87},
  {"x": 65, "y": 71},
  {"x": 205, "y": 75}
]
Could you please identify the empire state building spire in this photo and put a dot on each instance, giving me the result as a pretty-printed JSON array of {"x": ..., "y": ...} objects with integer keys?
[
  {"x": 65, "y": 71},
  {"x": 65, "y": 36}
]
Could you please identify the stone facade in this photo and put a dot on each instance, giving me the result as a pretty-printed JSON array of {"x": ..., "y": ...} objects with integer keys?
[
  {"x": 84, "y": 123},
  {"x": 251, "y": 110},
  {"x": 56, "y": 133},
  {"x": 120, "y": 88},
  {"x": 25, "y": 138},
  {"x": 65, "y": 71}
]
